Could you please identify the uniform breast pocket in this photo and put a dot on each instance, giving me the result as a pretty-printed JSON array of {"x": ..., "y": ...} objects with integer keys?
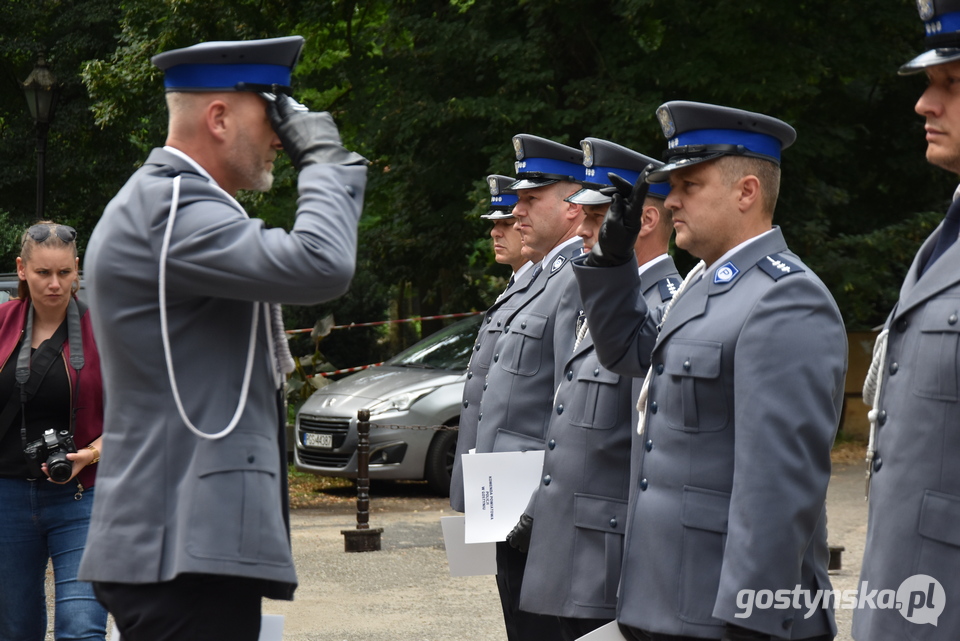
[
  {"x": 596, "y": 400},
  {"x": 521, "y": 348},
  {"x": 483, "y": 348},
  {"x": 691, "y": 391},
  {"x": 936, "y": 365}
]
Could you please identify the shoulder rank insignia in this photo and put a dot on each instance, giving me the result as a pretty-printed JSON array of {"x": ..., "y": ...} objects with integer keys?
[
  {"x": 557, "y": 264},
  {"x": 668, "y": 287},
  {"x": 776, "y": 266},
  {"x": 725, "y": 273}
]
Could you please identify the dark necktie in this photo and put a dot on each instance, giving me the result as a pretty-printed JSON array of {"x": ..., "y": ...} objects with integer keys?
[
  {"x": 948, "y": 234},
  {"x": 512, "y": 281},
  {"x": 536, "y": 272}
]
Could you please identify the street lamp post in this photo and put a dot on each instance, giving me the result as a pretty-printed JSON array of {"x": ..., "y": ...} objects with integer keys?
[{"x": 41, "y": 90}]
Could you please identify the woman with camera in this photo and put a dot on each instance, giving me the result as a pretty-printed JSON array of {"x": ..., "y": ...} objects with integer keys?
[{"x": 51, "y": 419}]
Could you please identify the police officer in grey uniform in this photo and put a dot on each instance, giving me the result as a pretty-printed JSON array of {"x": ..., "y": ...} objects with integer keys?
[
  {"x": 540, "y": 324},
  {"x": 578, "y": 515},
  {"x": 913, "y": 531},
  {"x": 508, "y": 248},
  {"x": 189, "y": 527},
  {"x": 742, "y": 398}
]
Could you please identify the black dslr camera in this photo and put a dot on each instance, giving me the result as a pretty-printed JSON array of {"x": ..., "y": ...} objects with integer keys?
[{"x": 52, "y": 449}]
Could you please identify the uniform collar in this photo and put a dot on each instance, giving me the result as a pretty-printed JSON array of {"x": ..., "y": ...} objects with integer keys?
[
  {"x": 524, "y": 268},
  {"x": 723, "y": 259},
  {"x": 203, "y": 172},
  {"x": 193, "y": 163},
  {"x": 548, "y": 259},
  {"x": 650, "y": 263}
]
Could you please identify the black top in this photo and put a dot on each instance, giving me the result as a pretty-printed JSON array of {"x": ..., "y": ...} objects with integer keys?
[{"x": 49, "y": 408}]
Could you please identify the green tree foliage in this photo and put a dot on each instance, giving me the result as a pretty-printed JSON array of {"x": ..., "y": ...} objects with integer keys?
[
  {"x": 84, "y": 166},
  {"x": 431, "y": 91}
]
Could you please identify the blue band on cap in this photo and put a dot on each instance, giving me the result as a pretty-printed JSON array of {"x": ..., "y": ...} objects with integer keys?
[
  {"x": 208, "y": 76},
  {"x": 947, "y": 23},
  {"x": 757, "y": 143},
  {"x": 549, "y": 166},
  {"x": 660, "y": 189},
  {"x": 599, "y": 174},
  {"x": 503, "y": 200}
]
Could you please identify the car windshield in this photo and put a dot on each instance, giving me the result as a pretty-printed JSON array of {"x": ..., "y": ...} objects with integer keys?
[{"x": 450, "y": 348}]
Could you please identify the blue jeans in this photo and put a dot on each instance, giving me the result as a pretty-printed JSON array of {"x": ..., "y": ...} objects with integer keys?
[{"x": 42, "y": 520}]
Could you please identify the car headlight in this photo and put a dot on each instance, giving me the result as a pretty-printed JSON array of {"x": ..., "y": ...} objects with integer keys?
[{"x": 399, "y": 402}]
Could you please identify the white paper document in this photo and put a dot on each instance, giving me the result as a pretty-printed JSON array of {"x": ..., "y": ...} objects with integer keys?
[
  {"x": 271, "y": 627},
  {"x": 497, "y": 488},
  {"x": 466, "y": 559},
  {"x": 608, "y": 632}
]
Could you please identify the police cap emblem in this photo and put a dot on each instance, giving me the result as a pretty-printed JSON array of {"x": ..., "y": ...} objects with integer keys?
[
  {"x": 925, "y": 7},
  {"x": 518, "y": 147},
  {"x": 666, "y": 122}
]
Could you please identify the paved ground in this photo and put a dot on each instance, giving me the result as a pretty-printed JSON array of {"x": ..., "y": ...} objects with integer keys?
[{"x": 404, "y": 593}]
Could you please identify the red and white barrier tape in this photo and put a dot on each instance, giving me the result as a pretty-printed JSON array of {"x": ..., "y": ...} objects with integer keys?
[
  {"x": 387, "y": 322},
  {"x": 344, "y": 371}
]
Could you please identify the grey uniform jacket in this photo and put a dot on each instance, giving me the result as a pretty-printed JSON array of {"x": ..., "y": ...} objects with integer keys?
[
  {"x": 167, "y": 501},
  {"x": 914, "y": 521},
  {"x": 580, "y": 509},
  {"x": 743, "y": 406},
  {"x": 515, "y": 405},
  {"x": 490, "y": 329}
]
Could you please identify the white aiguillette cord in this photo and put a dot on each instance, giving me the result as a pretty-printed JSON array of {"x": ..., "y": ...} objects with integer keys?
[
  {"x": 691, "y": 276},
  {"x": 872, "y": 387},
  {"x": 165, "y": 335}
]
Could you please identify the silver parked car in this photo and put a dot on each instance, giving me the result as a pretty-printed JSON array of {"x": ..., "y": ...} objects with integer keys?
[{"x": 421, "y": 386}]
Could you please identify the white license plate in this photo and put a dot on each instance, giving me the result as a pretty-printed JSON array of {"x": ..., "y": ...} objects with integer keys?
[{"x": 317, "y": 440}]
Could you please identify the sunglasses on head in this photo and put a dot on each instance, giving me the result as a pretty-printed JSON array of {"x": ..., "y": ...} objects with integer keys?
[{"x": 40, "y": 233}]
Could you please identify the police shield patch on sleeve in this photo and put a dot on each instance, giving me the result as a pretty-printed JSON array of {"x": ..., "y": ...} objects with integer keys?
[{"x": 776, "y": 266}]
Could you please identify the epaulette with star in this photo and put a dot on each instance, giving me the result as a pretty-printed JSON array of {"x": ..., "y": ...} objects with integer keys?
[{"x": 776, "y": 266}]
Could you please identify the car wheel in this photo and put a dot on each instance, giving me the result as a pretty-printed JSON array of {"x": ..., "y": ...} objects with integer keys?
[{"x": 439, "y": 464}]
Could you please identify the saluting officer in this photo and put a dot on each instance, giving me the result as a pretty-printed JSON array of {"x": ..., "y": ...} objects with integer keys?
[
  {"x": 913, "y": 529},
  {"x": 742, "y": 398},
  {"x": 658, "y": 273},
  {"x": 189, "y": 528},
  {"x": 539, "y": 326},
  {"x": 578, "y": 516},
  {"x": 507, "y": 249}
]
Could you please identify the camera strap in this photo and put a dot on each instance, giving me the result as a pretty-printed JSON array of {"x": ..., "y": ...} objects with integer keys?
[
  {"x": 32, "y": 369},
  {"x": 15, "y": 402}
]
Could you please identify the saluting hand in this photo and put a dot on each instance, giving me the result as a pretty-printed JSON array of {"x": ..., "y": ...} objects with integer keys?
[
  {"x": 308, "y": 137},
  {"x": 621, "y": 225}
]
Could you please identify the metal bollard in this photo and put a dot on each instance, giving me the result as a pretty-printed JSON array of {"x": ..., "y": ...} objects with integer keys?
[
  {"x": 836, "y": 558},
  {"x": 363, "y": 538}
]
